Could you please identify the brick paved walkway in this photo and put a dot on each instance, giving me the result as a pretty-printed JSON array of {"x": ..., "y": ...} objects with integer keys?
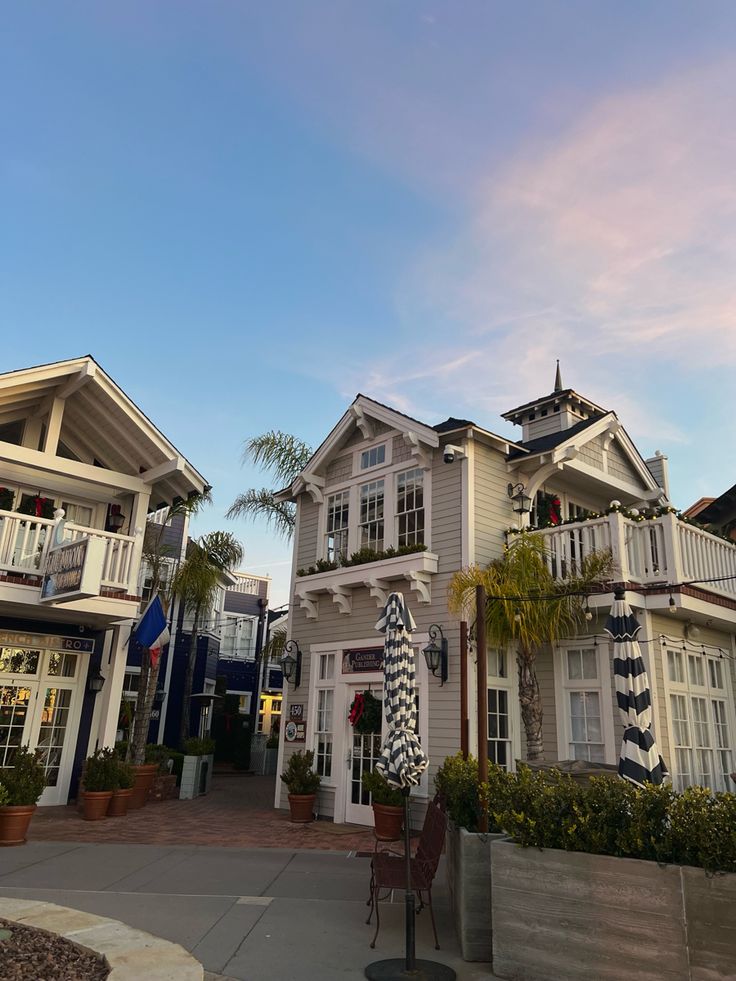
[{"x": 237, "y": 812}]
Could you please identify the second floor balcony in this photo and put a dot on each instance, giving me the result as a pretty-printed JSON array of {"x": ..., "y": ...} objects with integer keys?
[
  {"x": 24, "y": 540},
  {"x": 656, "y": 551}
]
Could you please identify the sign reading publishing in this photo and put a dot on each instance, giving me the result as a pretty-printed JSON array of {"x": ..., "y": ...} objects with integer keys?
[{"x": 73, "y": 571}]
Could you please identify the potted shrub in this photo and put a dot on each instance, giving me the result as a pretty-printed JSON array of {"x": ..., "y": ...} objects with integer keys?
[
  {"x": 125, "y": 778},
  {"x": 302, "y": 783},
  {"x": 100, "y": 780},
  {"x": 20, "y": 787},
  {"x": 388, "y": 806}
]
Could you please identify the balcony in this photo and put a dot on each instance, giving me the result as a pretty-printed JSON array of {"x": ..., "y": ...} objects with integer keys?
[
  {"x": 661, "y": 550},
  {"x": 380, "y": 578},
  {"x": 23, "y": 542}
]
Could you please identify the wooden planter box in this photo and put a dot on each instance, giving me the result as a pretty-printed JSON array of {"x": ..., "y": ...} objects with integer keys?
[
  {"x": 570, "y": 915},
  {"x": 164, "y": 787},
  {"x": 468, "y": 864},
  {"x": 196, "y": 776}
]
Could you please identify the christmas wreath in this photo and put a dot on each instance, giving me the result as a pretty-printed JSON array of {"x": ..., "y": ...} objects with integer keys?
[
  {"x": 6, "y": 499},
  {"x": 365, "y": 713}
]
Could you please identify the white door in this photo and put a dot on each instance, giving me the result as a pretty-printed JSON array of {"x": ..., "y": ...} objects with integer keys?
[
  {"x": 40, "y": 703},
  {"x": 364, "y": 750}
]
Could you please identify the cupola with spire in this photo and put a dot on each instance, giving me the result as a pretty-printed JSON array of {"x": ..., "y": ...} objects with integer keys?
[{"x": 562, "y": 409}]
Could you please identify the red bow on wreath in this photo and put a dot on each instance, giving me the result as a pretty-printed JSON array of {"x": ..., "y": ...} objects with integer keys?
[
  {"x": 554, "y": 512},
  {"x": 357, "y": 708},
  {"x": 39, "y": 502}
]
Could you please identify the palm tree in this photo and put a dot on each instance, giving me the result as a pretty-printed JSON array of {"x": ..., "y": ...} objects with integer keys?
[
  {"x": 196, "y": 583},
  {"x": 284, "y": 456},
  {"x": 528, "y": 607},
  {"x": 157, "y": 555}
]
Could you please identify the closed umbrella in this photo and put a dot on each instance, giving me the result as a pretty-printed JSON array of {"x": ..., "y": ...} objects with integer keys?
[
  {"x": 640, "y": 761},
  {"x": 402, "y": 762}
]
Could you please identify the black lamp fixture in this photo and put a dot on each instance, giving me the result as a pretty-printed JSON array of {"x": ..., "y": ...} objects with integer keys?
[
  {"x": 522, "y": 503},
  {"x": 435, "y": 654},
  {"x": 159, "y": 696},
  {"x": 291, "y": 663},
  {"x": 95, "y": 681}
]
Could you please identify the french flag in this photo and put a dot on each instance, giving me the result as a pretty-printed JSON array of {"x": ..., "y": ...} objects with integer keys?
[{"x": 151, "y": 630}]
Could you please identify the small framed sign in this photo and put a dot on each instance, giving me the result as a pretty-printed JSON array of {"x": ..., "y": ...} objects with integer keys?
[
  {"x": 295, "y": 732},
  {"x": 362, "y": 659},
  {"x": 296, "y": 712}
]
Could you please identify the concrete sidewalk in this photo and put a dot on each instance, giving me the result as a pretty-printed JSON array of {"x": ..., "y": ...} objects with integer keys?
[{"x": 245, "y": 913}]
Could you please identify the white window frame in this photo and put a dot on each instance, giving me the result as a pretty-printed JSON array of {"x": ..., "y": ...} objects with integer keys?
[
  {"x": 602, "y": 684},
  {"x": 690, "y": 691},
  {"x": 328, "y": 683},
  {"x": 509, "y": 684},
  {"x": 345, "y": 494},
  {"x": 388, "y": 473},
  {"x": 397, "y": 514},
  {"x": 386, "y": 439}
]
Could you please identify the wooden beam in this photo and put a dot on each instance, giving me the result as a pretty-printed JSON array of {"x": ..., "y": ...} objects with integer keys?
[
  {"x": 86, "y": 374},
  {"x": 163, "y": 470},
  {"x": 133, "y": 449},
  {"x": 70, "y": 468},
  {"x": 53, "y": 427}
]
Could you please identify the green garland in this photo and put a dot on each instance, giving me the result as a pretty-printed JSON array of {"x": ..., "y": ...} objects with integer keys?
[{"x": 370, "y": 719}]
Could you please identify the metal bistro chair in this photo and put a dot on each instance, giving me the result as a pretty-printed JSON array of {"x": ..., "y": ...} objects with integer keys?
[{"x": 388, "y": 870}]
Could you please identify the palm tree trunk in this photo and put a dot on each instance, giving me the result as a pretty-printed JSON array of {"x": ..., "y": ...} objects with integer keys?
[
  {"x": 531, "y": 703},
  {"x": 188, "y": 679},
  {"x": 144, "y": 704}
]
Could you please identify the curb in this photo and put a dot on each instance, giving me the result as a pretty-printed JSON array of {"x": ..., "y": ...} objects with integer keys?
[{"x": 132, "y": 954}]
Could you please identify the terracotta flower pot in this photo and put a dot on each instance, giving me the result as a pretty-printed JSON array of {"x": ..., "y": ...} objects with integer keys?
[
  {"x": 119, "y": 803},
  {"x": 14, "y": 821},
  {"x": 302, "y": 808},
  {"x": 145, "y": 774},
  {"x": 388, "y": 822},
  {"x": 96, "y": 803}
]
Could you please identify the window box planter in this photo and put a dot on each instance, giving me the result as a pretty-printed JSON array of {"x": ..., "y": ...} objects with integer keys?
[
  {"x": 469, "y": 882},
  {"x": 196, "y": 776},
  {"x": 569, "y": 914}
]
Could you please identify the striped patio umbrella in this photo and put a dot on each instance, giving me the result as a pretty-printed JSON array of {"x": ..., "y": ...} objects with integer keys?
[
  {"x": 402, "y": 759},
  {"x": 640, "y": 761}
]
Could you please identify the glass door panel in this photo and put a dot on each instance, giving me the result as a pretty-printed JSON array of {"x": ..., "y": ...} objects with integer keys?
[
  {"x": 14, "y": 716},
  {"x": 364, "y": 752},
  {"x": 52, "y": 731}
]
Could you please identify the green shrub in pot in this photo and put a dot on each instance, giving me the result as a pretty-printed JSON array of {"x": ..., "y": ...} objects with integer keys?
[
  {"x": 381, "y": 790},
  {"x": 24, "y": 780},
  {"x": 299, "y": 776},
  {"x": 101, "y": 771},
  {"x": 199, "y": 747}
]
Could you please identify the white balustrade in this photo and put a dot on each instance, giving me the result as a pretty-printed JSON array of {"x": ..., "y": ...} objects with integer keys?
[
  {"x": 659, "y": 550},
  {"x": 245, "y": 584},
  {"x": 23, "y": 539}
]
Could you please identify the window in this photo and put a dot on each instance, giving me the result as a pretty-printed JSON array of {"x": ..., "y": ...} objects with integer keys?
[
  {"x": 326, "y": 667},
  {"x": 699, "y": 717},
  {"x": 410, "y": 508},
  {"x": 323, "y": 732},
  {"x": 147, "y": 586},
  {"x": 338, "y": 512},
  {"x": 373, "y": 457},
  {"x": 228, "y": 642},
  {"x": 501, "y": 698},
  {"x": 131, "y": 682},
  {"x": 371, "y": 515},
  {"x": 585, "y": 740},
  {"x": 78, "y": 514}
]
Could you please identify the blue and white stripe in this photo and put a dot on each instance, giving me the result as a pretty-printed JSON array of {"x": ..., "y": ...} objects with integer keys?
[
  {"x": 640, "y": 761},
  {"x": 402, "y": 759}
]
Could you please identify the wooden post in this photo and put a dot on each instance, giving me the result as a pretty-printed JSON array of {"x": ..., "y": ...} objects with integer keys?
[
  {"x": 480, "y": 639},
  {"x": 464, "y": 689}
]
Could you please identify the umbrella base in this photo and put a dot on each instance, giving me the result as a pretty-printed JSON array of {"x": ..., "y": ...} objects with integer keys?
[{"x": 395, "y": 970}]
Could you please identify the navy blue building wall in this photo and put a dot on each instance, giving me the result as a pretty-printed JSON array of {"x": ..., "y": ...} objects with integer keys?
[{"x": 205, "y": 668}]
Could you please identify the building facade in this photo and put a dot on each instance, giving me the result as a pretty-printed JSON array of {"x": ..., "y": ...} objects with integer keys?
[
  {"x": 80, "y": 468},
  {"x": 388, "y": 502}
]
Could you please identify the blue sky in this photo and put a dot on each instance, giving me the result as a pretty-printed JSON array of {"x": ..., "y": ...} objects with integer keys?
[{"x": 250, "y": 212}]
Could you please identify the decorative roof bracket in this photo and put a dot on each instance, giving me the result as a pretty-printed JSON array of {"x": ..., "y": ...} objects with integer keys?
[
  {"x": 419, "y": 582},
  {"x": 362, "y": 421},
  {"x": 421, "y": 454},
  {"x": 342, "y": 598},
  {"x": 310, "y": 603},
  {"x": 379, "y": 590}
]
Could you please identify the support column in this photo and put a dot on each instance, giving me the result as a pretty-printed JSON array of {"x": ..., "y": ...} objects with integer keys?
[
  {"x": 137, "y": 529},
  {"x": 107, "y": 709}
]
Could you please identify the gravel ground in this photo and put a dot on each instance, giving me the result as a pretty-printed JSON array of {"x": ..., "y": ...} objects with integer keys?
[{"x": 30, "y": 954}]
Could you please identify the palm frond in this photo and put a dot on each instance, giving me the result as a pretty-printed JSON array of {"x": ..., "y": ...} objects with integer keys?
[
  {"x": 284, "y": 455},
  {"x": 255, "y": 504}
]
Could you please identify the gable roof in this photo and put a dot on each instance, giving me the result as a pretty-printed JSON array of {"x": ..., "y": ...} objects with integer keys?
[
  {"x": 551, "y": 440},
  {"x": 99, "y": 423},
  {"x": 718, "y": 511}
]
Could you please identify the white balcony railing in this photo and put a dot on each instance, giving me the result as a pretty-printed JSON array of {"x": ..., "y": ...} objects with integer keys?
[
  {"x": 23, "y": 540},
  {"x": 661, "y": 550}
]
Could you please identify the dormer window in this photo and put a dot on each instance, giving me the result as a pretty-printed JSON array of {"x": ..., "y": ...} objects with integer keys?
[{"x": 373, "y": 457}]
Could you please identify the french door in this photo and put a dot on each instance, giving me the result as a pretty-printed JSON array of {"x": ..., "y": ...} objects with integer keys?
[
  {"x": 364, "y": 749},
  {"x": 40, "y": 702}
]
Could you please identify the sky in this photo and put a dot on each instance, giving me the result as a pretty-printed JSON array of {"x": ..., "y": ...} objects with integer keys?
[{"x": 249, "y": 212}]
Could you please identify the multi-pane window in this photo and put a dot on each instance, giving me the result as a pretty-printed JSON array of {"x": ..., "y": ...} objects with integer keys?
[
  {"x": 323, "y": 732},
  {"x": 373, "y": 457},
  {"x": 371, "y": 515},
  {"x": 228, "y": 637},
  {"x": 500, "y": 700},
  {"x": 410, "y": 507},
  {"x": 582, "y": 680},
  {"x": 338, "y": 512},
  {"x": 326, "y": 667},
  {"x": 703, "y": 743}
]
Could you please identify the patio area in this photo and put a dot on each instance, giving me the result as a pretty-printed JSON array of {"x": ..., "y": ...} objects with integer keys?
[{"x": 238, "y": 812}]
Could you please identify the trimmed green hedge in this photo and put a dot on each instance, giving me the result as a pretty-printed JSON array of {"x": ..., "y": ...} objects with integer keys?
[{"x": 607, "y": 817}]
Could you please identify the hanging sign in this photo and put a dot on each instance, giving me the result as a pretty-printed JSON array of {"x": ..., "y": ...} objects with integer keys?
[
  {"x": 78, "y": 644},
  {"x": 362, "y": 659},
  {"x": 73, "y": 571}
]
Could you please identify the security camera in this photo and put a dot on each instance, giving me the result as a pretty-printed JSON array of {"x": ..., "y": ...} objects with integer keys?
[{"x": 451, "y": 453}]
